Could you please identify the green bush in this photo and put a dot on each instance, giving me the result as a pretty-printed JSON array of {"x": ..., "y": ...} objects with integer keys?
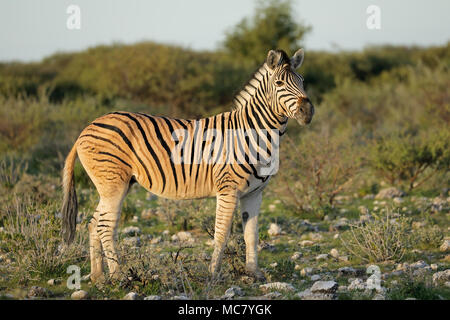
[{"x": 411, "y": 159}]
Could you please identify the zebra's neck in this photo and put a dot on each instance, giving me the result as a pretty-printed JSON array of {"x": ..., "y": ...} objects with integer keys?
[{"x": 252, "y": 107}]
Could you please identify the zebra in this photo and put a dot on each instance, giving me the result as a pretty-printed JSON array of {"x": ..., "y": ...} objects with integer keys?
[{"x": 122, "y": 148}]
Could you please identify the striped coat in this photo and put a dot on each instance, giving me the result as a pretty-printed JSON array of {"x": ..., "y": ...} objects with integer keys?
[{"x": 230, "y": 156}]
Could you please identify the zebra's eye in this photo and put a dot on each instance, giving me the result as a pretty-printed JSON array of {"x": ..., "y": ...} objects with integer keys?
[{"x": 279, "y": 83}]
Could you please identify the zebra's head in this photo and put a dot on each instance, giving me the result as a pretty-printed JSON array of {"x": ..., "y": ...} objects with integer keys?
[{"x": 285, "y": 90}]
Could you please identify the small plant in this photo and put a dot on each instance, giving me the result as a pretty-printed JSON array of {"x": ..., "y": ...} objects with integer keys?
[
  {"x": 32, "y": 239},
  {"x": 380, "y": 239}
]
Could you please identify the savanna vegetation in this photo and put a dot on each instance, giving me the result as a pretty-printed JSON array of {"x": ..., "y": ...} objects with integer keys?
[{"x": 382, "y": 120}]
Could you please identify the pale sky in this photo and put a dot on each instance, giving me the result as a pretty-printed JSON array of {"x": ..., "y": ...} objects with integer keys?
[{"x": 33, "y": 29}]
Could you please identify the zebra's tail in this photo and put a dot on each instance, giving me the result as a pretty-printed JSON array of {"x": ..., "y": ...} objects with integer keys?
[{"x": 70, "y": 204}]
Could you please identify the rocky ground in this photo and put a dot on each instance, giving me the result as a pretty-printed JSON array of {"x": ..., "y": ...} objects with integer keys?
[{"x": 301, "y": 256}]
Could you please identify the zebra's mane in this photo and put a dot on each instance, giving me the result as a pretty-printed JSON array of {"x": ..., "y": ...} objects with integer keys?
[{"x": 245, "y": 92}]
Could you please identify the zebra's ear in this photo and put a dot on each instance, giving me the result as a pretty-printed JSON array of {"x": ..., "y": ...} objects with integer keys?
[
  {"x": 273, "y": 58},
  {"x": 297, "y": 59}
]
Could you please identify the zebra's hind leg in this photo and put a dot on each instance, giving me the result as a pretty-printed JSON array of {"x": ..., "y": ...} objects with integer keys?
[
  {"x": 226, "y": 204},
  {"x": 95, "y": 250},
  {"x": 109, "y": 214}
]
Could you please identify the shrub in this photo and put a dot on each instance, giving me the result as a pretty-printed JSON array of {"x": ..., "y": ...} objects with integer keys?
[
  {"x": 315, "y": 170},
  {"x": 380, "y": 239},
  {"x": 411, "y": 159}
]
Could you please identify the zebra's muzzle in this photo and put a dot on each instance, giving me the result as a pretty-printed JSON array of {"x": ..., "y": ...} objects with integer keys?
[{"x": 305, "y": 111}]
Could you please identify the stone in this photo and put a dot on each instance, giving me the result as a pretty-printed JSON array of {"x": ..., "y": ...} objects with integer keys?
[
  {"x": 183, "y": 236},
  {"x": 322, "y": 256},
  {"x": 53, "y": 282},
  {"x": 180, "y": 297},
  {"x": 324, "y": 287},
  {"x": 343, "y": 258},
  {"x": 306, "y": 243},
  {"x": 398, "y": 200},
  {"x": 296, "y": 256},
  {"x": 272, "y": 295},
  {"x": 156, "y": 240},
  {"x": 266, "y": 246},
  {"x": 434, "y": 266},
  {"x": 441, "y": 277},
  {"x": 308, "y": 295},
  {"x": 131, "y": 296},
  {"x": 274, "y": 265},
  {"x": 277, "y": 286},
  {"x": 232, "y": 292},
  {"x": 334, "y": 253},
  {"x": 438, "y": 204},
  {"x": 390, "y": 193},
  {"x": 132, "y": 242},
  {"x": 152, "y": 297},
  {"x": 419, "y": 265},
  {"x": 357, "y": 284},
  {"x": 131, "y": 231},
  {"x": 315, "y": 277},
  {"x": 379, "y": 296},
  {"x": 306, "y": 271},
  {"x": 38, "y": 292},
  {"x": 445, "y": 246},
  {"x": 79, "y": 295},
  {"x": 274, "y": 230}
]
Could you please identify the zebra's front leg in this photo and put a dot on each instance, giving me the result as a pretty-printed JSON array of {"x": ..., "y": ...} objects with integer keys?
[
  {"x": 250, "y": 205},
  {"x": 226, "y": 204}
]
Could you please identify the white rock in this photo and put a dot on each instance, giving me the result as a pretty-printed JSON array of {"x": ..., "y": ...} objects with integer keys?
[
  {"x": 334, "y": 253},
  {"x": 272, "y": 295},
  {"x": 277, "y": 286},
  {"x": 38, "y": 292},
  {"x": 274, "y": 265},
  {"x": 152, "y": 297},
  {"x": 306, "y": 243},
  {"x": 440, "y": 277},
  {"x": 324, "y": 287},
  {"x": 322, "y": 256},
  {"x": 79, "y": 295},
  {"x": 132, "y": 242},
  {"x": 357, "y": 284},
  {"x": 232, "y": 292},
  {"x": 131, "y": 296},
  {"x": 131, "y": 231},
  {"x": 315, "y": 277},
  {"x": 53, "y": 282},
  {"x": 183, "y": 236},
  {"x": 306, "y": 271},
  {"x": 296, "y": 256},
  {"x": 390, "y": 193},
  {"x": 445, "y": 246},
  {"x": 274, "y": 230}
]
